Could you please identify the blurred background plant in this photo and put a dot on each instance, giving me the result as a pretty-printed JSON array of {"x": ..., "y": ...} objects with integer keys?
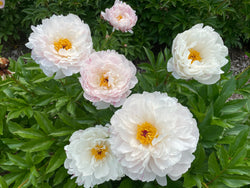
[{"x": 158, "y": 21}]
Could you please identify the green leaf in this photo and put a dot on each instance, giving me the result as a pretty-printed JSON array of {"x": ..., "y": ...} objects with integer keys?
[
  {"x": 223, "y": 156},
  {"x": 160, "y": 60},
  {"x": 240, "y": 170},
  {"x": 13, "y": 143},
  {"x": 14, "y": 114},
  {"x": 233, "y": 106},
  {"x": 61, "y": 102},
  {"x": 13, "y": 127},
  {"x": 44, "y": 122},
  {"x": 239, "y": 141},
  {"x": 227, "y": 90},
  {"x": 213, "y": 166},
  {"x": 70, "y": 184},
  {"x": 150, "y": 55},
  {"x": 56, "y": 161},
  {"x": 238, "y": 156},
  {"x": 3, "y": 183},
  {"x": 60, "y": 175},
  {"x": 235, "y": 180},
  {"x": 2, "y": 118},
  {"x": 70, "y": 121},
  {"x": 11, "y": 177},
  {"x": 71, "y": 107},
  {"x": 126, "y": 183},
  {"x": 61, "y": 132},
  {"x": 30, "y": 133},
  {"x": 17, "y": 160},
  {"x": 37, "y": 145}
]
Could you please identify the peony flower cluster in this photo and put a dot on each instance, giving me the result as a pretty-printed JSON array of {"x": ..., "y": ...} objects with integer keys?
[
  {"x": 90, "y": 158},
  {"x": 2, "y": 3},
  {"x": 107, "y": 78},
  {"x": 60, "y": 45},
  {"x": 152, "y": 136},
  {"x": 198, "y": 53},
  {"x": 121, "y": 16}
]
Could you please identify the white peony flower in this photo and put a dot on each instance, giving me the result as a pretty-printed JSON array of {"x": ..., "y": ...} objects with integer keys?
[
  {"x": 152, "y": 136},
  {"x": 107, "y": 78},
  {"x": 198, "y": 53},
  {"x": 121, "y": 16},
  {"x": 60, "y": 44},
  {"x": 90, "y": 158}
]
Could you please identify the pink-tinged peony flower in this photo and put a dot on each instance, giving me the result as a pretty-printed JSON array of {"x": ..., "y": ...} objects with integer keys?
[
  {"x": 152, "y": 136},
  {"x": 107, "y": 78},
  {"x": 121, "y": 16},
  {"x": 90, "y": 158},
  {"x": 60, "y": 44},
  {"x": 2, "y": 3},
  {"x": 198, "y": 53}
]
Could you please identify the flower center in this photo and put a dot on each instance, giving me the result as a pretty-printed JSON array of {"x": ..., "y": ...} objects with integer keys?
[
  {"x": 119, "y": 17},
  {"x": 99, "y": 151},
  {"x": 1, "y": 3},
  {"x": 146, "y": 132},
  {"x": 104, "y": 81},
  {"x": 194, "y": 55},
  {"x": 62, "y": 44}
]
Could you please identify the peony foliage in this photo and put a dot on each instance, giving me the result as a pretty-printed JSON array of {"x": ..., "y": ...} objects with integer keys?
[{"x": 159, "y": 131}]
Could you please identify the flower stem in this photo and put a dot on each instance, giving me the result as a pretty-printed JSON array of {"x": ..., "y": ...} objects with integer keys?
[
  {"x": 243, "y": 71},
  {"x": 21, "y": 85},
  {"x": 107, "y": 39}
]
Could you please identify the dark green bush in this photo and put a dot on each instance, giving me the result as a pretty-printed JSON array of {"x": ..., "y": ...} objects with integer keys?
[{"x": 158, "y": 21}]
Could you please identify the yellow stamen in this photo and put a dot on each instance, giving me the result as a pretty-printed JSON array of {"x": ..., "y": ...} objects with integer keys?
[
  {"x": 146, "y": 132},
  {"x": 1, "y": 3},
  {"x": 104, "y": 81},
  {"x": 194, "y": 55},
  {"x": 119, "y": 17},
  {"x": 99, "y": 151},
  {"x": 62, "y": 44}
]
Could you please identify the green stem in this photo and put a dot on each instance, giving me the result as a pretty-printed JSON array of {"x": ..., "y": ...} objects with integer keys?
[
  {"x": 21, "y": 85},
  {"x": 243, "y": 71},
  {"x": 107, "y": 39}
]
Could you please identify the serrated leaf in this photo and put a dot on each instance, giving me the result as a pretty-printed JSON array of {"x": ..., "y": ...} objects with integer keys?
[
  {"x": 213, "y": 166},
  {"x": 37, "y": 145},
  {"x": 56, "y": 161}
]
